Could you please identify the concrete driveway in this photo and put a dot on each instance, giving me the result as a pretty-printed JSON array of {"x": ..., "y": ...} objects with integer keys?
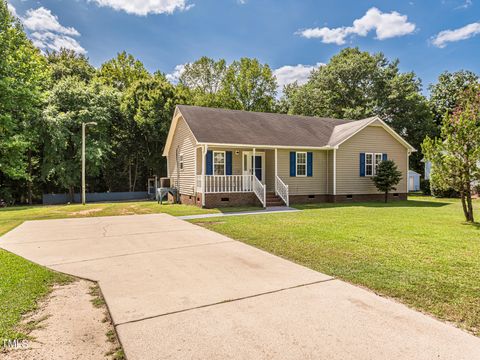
[{"x": 176, "y": 291}]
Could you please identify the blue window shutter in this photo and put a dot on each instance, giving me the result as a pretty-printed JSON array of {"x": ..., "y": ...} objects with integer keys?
[
  {"x": 309, "y": 163},
  {"x": 384, "y": 157},
  {"x": 228, "y": 162},
  {"x": 362, "y": 164},
  {"x": 293, "y": 164},
  {"x": 209, "y": 162}
]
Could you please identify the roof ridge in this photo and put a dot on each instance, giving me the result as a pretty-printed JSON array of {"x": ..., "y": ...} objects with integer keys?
[{"x": 268, "y": 113}]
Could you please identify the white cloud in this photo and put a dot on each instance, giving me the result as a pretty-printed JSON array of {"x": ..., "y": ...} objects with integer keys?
[
  {"x": 145, "y": 7},
  {"x": 386, "y": 25},
  {"x": 12, "y": 10},
  {"x": 463, "y": 33},
  {"x": 175, "y": 75},
  {"x": 53, "y": 41},
  {"x": 289, "y": 74},
  {"x": 42, "y": 19},
  {"x": 47, "y": 33},
  {"x": 465, "y": 5}
]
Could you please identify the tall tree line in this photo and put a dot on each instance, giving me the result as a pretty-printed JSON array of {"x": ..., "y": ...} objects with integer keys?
[{"x": 44, "y": 98}]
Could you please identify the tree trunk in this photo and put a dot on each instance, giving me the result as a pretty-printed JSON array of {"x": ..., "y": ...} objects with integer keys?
[
  {"x": 29, "y": 181},
  {"x": 129, "y": 175},
  {"x": 469, "y": 205},
  {"x": 71, "y": 193},
  {"x": 386, "y": 196},
  {"x": 135, "y": 174},
  {"x": 464, "y": 205}
]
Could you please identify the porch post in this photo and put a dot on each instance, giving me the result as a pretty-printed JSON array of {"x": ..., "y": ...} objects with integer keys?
[
  {"x": 204, "y": 156},
  {"x": 276, "y": 170},
  {"x": 253, "y": 163}
]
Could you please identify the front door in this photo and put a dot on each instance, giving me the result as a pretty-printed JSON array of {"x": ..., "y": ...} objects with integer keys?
[{"x": 254, "y": 166}]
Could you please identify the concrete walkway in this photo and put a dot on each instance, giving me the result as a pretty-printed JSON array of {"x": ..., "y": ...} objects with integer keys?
[
  {"x": 176, "y": 291},
  {"x": 268, "y": 210}
]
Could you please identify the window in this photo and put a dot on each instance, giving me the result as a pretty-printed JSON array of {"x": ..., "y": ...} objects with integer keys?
[
  {"x": 301, "y": 164},
  {"x": 219, "y": 163},
  {"x": 181, "y": 162},
  {"x": 368, "y": 164},
  {"x": 378, "y": 160}
]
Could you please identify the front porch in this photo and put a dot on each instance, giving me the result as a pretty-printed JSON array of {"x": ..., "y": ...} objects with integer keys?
[{"x": 237, "y": 171}]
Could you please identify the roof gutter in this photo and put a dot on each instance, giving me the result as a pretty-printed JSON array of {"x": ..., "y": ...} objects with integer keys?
[{"x": 328, "y": 147}]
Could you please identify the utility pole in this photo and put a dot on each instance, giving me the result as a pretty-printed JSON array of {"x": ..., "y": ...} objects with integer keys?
[{"x": 84, "y": 126}]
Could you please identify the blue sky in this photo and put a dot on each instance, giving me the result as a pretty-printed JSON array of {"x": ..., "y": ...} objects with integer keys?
[{"x": 292, "y": 36}]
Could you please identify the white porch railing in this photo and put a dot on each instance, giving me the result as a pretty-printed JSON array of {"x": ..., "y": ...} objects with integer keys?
[
  {"x": 260, "y": 190},
  {"x": 281, "y": 190},
  {"x": 225, "y": 183}
]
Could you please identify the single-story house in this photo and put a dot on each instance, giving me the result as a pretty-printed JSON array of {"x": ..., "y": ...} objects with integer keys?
[
  {"x": 413, "y": 181},
  {"x": 219, "y": 157}
]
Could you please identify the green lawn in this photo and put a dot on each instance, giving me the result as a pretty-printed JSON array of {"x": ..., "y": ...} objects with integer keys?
[
  {"x": 23, "y": 283},
  {"x": 418, "y": 251}
]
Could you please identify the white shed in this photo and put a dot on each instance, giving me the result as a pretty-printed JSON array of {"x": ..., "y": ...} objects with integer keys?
[{"x": 413, "y": 181}]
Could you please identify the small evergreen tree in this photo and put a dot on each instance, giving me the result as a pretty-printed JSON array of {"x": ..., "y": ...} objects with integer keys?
[{"x": 387, "y": 177}]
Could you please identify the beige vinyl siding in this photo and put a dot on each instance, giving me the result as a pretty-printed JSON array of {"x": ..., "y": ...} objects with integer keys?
[
  {"x": 330, "y": 172},
  {"x": 308, "y": 185},
  {"x": 185, "y": 142},
  {"x": 236, "y": 160},
  {"x": 372, "y": 139}
]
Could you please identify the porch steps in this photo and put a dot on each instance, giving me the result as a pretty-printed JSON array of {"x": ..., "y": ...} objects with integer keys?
[{"x": 274, "y": 200}]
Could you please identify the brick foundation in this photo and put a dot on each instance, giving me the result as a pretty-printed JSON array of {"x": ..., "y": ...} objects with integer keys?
[
  {"x": 231, "y": 199},
  {"x": 250, "y": 199},
  {"x": 367, "y": 197},
  {"x": 309, "y": 199}
]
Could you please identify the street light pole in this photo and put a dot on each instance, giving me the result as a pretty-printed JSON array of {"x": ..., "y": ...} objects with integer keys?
[{"x": 84, "y": 126}]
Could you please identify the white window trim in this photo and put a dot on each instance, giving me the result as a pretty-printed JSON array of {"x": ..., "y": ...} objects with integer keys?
[
  {"x": 373, "y": 164},
  {"x": 181, "y": 162},
  {"x": 224, "y": 162},
  {"x": 296, "y": 163}
]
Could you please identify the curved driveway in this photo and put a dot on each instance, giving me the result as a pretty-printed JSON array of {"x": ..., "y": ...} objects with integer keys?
[{"x": 177, "y": 291}]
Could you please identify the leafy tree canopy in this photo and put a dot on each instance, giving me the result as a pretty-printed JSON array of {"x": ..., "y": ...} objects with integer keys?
[
  {"x": 447, "y": 92},
  {"x": 249, "y": 85},
  {"x": 122, "y": 71},
  {"x": 23, "y": 77},
  {"x": 66, "y": 62},
  {"x": 455, "y": 156}
]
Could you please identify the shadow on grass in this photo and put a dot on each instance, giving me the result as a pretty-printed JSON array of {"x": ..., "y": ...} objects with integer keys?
[
  {"x": 376, "y": 204},
  {"x": 474, "y": 224}
]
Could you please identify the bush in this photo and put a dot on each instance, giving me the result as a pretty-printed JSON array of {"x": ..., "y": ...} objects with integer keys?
[
  {"x": 449, "y": 193},
  {"x": 425, "y": 187}
]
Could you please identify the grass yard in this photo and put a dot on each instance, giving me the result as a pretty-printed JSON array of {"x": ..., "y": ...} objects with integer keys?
[
  {"x": 418, "y": 251},
  {"x": 23, "y": 283}
]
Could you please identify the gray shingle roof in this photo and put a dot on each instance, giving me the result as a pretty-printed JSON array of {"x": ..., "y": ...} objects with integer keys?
[{"x": 220, "y": 126}]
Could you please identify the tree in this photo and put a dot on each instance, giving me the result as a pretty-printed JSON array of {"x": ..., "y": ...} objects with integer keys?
[
  {"x": 446, "y": 93},
  {"x": 387, "y": 177},
  {"x": 71, "y": 102},
  {"x": 122, "y": 71},
  {"x": 249, "y": 85},
  {"x": 148, "y": 105},
  {"x": 23, "y": 77},
  {"x": 205, "y": 74},
  {"x": 356, "y": 85},
  {"x": 67, "y": 62},
  {"x": 455, "y": 156}
]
